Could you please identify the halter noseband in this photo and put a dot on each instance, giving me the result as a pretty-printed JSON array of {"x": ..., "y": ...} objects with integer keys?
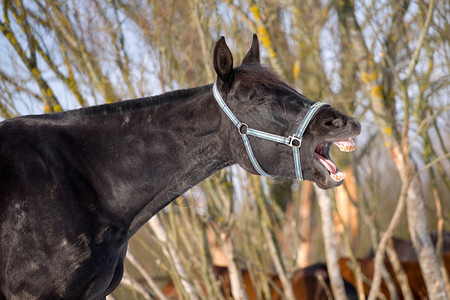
[{"x": 294, "y": 141}]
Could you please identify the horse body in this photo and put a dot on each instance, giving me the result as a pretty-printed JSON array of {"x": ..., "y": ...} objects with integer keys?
[{"x": 76, "y": 185}]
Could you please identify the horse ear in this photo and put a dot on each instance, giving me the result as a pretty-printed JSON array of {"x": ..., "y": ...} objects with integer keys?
[
  {"x": 252, "y": 55},
  {"x": 223, "y": 61}
]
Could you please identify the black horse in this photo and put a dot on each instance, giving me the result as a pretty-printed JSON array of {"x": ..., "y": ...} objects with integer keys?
[{"x": 75, "y": 186}]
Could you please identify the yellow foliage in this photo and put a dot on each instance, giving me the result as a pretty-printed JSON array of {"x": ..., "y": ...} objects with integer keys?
[
  {"x": 265, "y": 40},
  {"x": 368, "y": 77},
  {"x": 35, "y": 72},
  {"x": 57, "y": 108},
  {"x": 377, "y": 91},
  {"x": 262, "y": 32},
  {"x": 264, "y": 36},
  {"x": 255, "y": 10},
  {"x": 388, "y": 130},
  {"x": 296, "y": 70}
]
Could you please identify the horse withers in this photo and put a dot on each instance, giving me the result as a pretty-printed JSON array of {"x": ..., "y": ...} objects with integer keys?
[{"x": 76, "y": 185}]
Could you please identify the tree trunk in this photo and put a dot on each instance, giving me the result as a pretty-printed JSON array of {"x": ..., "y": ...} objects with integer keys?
[
  {"x": 236, "y": 282},
  {"x": 326, "y": 214},
  {"x": 304, "y": 258},
  {"x": 426, "y": 253},
  {"x": 347, "y": 210}
]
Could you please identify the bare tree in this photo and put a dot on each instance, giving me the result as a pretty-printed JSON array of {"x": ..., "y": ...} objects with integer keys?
[{"x": 386, "y": 63}]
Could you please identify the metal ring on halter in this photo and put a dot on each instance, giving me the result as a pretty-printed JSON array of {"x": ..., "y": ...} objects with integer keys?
[
  {"x": 295, "y": 141},
  {"x": 243, "y": 129}
]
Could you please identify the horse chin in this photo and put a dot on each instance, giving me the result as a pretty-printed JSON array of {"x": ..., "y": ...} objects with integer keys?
[
  {"x": 318, "y": 174},
  {"x": 325, "y": 182}
]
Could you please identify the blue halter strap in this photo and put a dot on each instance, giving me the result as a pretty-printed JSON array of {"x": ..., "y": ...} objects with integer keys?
[{"x": 294, "y": 141}]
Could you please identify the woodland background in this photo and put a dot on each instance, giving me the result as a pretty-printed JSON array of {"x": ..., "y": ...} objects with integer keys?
[{"x": 384, "y": 62}]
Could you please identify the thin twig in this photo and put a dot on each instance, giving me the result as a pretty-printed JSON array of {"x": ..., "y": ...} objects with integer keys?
[
  {"x": 148, "y": 278},
  {"x": 423, "y": 34},
  {"x": 432, "y": 163}
]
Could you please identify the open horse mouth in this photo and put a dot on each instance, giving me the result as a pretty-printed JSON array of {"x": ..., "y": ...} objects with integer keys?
[{"x": 322, "y": 153}]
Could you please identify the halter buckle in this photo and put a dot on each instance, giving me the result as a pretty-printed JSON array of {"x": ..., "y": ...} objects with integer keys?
[{"x": 295, "y": 141}]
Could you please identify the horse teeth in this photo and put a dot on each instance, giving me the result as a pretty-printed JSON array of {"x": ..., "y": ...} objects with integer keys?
[
  {"x": 338, "y": 176},
  {"x": 346, "y": 145}
]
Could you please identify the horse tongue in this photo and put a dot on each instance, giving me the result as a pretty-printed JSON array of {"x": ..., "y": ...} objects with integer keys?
[
  {"x": 347, "y": 145},
  {"x": 329, "y": 165},
  {"x": 335, "y": 174}
]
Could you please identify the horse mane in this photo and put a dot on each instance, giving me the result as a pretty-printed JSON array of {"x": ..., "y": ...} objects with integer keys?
[
  {"x": 127, "y": 105},
  {"x": 250, "y": 75}
]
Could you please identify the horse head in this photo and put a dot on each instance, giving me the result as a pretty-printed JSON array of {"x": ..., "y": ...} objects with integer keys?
[{"x": 274, "y": 113}]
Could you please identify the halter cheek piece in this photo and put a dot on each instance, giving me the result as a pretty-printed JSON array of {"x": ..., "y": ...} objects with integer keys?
[{"x": 294, "y": 141}]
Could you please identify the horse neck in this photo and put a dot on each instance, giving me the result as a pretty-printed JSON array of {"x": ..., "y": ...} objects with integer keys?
[{"x": 151, "y": 155}]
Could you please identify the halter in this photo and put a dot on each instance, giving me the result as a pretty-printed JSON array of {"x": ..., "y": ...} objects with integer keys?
[{"x": 294, "y": 141}]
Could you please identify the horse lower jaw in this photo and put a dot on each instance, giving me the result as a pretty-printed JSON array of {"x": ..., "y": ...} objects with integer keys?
[{"x": 322, "y": 154}]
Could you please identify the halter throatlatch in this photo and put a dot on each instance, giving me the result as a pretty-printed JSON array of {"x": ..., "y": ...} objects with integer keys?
[{"x": 294, "y": 141}]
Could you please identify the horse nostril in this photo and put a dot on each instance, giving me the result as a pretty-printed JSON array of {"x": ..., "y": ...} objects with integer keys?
[{"x": 337, "y": 123}]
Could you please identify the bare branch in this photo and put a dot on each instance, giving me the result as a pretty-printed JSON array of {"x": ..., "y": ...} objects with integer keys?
[
  {"x": 423, "y": 34},
  {"x": 152, "y": 284},
  {"x": 161, "y": 234}
]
